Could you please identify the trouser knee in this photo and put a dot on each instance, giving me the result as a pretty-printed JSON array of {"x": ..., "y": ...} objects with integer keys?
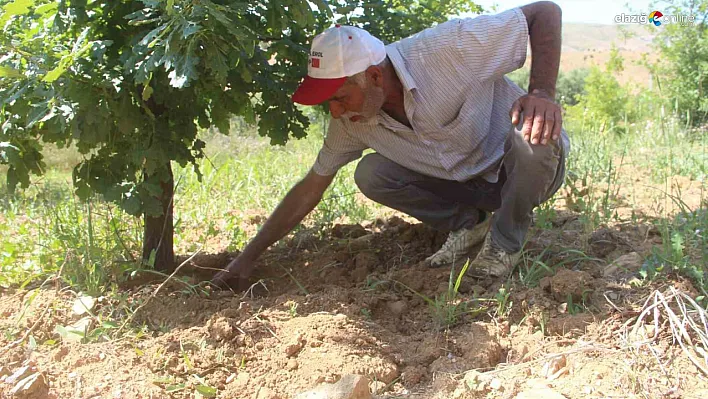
[{"x": 369, "y": 175}]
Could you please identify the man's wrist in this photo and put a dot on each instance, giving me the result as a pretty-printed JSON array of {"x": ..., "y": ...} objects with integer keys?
[{"x": 543, "y": 93}]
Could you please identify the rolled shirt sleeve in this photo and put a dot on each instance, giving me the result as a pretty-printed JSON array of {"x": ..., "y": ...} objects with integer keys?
[
  {"x": 339, "y": 148},
  {"x": 493, "y": 45}
]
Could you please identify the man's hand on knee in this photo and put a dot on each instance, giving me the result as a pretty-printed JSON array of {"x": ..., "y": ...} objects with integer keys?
[{"x": 542, "y": 117}]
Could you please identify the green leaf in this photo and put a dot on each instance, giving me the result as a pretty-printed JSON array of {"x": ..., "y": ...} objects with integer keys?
[
  {"x": 206, "y": 391},
  {"x": 17, "y": 7},
  {"x": 7, "y": 72},
  {"x": 174, "y": 388},
  {"x": 147, "y": 92},
  {"x": 32, "y": 342},
  {"x": 46, "y": 8}
]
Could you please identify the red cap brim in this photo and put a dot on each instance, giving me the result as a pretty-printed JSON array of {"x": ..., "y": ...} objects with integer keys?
[{"x": 313, "y": 91}]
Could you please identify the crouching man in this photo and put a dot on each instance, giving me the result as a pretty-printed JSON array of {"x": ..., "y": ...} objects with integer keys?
[{"x": 458, "y": 145}]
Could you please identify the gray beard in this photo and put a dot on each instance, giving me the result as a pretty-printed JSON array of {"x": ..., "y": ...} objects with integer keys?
[{"x": 373, "y": 101}]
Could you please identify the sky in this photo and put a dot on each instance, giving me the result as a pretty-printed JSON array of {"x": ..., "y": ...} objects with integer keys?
[{"x": 581, "y": 11}]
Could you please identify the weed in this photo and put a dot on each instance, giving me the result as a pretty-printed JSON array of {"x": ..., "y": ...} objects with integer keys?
[
  {"x": 367, "y": 313},
  {"x": 532, "y": 269},
  {"x": 292, "y": 308},
  {"x": 448, "y": 308},
  {"x": 502, "y": 300}
]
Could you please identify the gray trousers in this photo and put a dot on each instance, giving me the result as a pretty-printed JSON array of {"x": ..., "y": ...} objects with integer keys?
[{"x": 530, "y": 174}]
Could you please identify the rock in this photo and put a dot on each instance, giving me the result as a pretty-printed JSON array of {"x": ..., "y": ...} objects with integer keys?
[
  {"x": 83, "y": 305},
  {"x": 631, "y": 262},
  {"x": 602, "y": 242},
  {"x": 496, "y": 384},
  {"x": 18, "y": 375},
  {"x": 377, "y": 387},
  {"x": 569, "y": 283},
  {"x": 472, "y": 379},
  {"x": 292, "y": 365},
  {"x": 539, "y": 393},
  {"x": 398, "y": 308},
  {"x": 554, "y": 366},
  {"x": 293, "y": 349},
  {"x": 266, "y": 393},
  {"x": 350, "y": 386},
  {"x": 34, "y": 385}
]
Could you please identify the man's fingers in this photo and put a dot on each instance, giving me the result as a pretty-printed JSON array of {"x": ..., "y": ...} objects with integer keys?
[
  {"x": 515, "y": 112},
  {"x": 557, "y": 126},
  {"x": 538, "y": 126},
  {"x": 549, "y": 125},
  {"x": 528, "y": 124}
]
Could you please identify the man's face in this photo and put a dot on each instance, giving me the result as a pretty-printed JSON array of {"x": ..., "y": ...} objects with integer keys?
[{"x": 356, "y": 103}]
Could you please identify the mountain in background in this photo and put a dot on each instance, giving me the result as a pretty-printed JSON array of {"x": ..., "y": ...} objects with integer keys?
[{"x": 585, "y": 45}]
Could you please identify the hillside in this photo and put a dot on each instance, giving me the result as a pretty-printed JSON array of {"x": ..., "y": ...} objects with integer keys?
[{"x": 585, "y": 45}]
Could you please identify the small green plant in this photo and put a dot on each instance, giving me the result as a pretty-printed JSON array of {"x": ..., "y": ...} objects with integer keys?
[
  {"x": 684, "y": 247},
  {"x": 502, "y": 300},
  {"x": 367, "y": 313},
  {"x": 292, "y": 308},
  {"x": 532, "y": 269},
  {"x": 448, "y": 308},
  {"x": 572, "y": 307}
]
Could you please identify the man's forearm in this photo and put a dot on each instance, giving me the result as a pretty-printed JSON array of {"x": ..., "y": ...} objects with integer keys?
[
  {"x": 297, "y": 204},
  {"x": 544, "y": 21}
]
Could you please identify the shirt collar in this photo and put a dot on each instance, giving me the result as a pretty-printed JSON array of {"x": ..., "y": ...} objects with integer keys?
[{"x": 400, "y": 66}]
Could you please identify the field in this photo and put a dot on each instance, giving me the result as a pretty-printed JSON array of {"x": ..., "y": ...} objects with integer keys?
[{"x": 608, "y": 300}]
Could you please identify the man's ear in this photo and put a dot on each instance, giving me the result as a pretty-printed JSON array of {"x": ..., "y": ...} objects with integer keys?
[{"x": 374, "y": 74}]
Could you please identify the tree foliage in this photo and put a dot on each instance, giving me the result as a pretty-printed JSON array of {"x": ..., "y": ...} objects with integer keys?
[
  {"x": 683, "y": 70},
  {"x": 130, "y": 83},
  {"x": 391, "y": 20}
]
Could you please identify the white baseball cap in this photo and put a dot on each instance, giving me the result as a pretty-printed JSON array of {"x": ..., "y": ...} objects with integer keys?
[{"x": 336, "y": 54}]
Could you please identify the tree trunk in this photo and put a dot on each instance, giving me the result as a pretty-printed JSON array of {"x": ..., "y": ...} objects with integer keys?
[{"x": 159, "y": 231}]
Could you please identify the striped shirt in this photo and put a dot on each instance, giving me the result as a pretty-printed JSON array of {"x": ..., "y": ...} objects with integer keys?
[{"x": 456, "y": 97}]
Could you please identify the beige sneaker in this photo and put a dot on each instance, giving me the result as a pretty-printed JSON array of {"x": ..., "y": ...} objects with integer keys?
[
  {"x": 459, "y": 243},
  {"x": 493, "y": 261}
]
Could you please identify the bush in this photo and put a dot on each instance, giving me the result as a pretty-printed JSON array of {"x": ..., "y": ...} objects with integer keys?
[{"x": 569, "y": 87}]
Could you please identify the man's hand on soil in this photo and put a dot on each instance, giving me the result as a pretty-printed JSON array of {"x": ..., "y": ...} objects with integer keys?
[
  {"x": 542, "y": 117},
  {"x": 235, "y": 276}
]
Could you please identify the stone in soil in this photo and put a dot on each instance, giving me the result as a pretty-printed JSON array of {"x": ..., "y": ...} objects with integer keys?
[
  {"x": 32, "y": 386},
  {"x": 293, "y": 349},
  {"x": 350, "y": 386},
  {"x": 631, "y": 262},
  {"x": 570, "y": 283}
]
